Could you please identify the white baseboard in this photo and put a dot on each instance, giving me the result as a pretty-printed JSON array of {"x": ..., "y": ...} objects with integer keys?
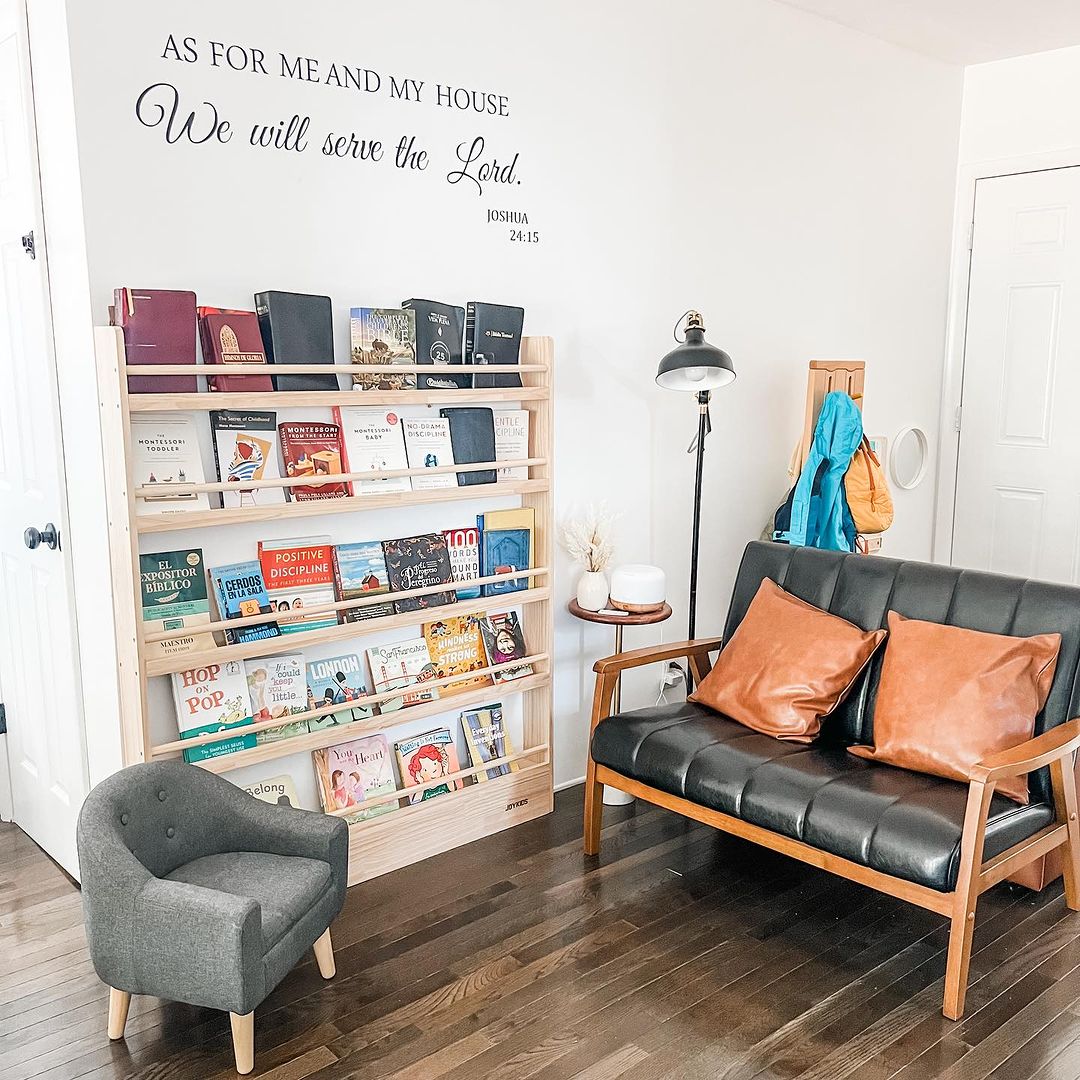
[
  {"x": 7, "y": 810},
  {"x": 570, "y": 783}
]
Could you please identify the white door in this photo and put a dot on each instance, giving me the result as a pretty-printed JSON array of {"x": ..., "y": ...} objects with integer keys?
[
  {"x": 38, "y": 674},
  {"x": 1018, "y": 472}
]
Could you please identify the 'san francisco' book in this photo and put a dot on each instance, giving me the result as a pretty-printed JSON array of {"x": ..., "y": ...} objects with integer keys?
[
  {"x": 165, "y": 454},
  {"x": 360, "y": 572},
  {"x": 504, "y": 642},
  {"x": 297, "y": 328},
  {"x": 209, "y": 699},
  {"x": 276, "y": 790},
  {"x": 312, "y": 449},
  {"x": 385, "y": 337},
  {"x": 493, "y": 336},
  {"x": 233, "y": 338},
  {"x": 372, "y": 441},
  {"x": 276, "y": 690},
  {"x": 299, "y": 573},
  {"x": 472, "y": 439},
  {"x": 173, "y": 590},
  {"x": 240, "y": 593},
  {"x": 352, "y": 772},
  {"x": 439, "y": 330},
  {"x": 417, "y": 562},
  {"x": 400, "y": 665},
  {"x": 487, "y": 739},
  {"x": 425, "y": 759},
  {"x": 335, "y": 681},
  {"x": 245, "y": 449},
  {"x": 512, "y": 442},
  {"x": 456, "y": 647},
  {"x": 428, "y": 446},
  {"x": 464, "y": 548},
  {"x": 159, "y": 328}
]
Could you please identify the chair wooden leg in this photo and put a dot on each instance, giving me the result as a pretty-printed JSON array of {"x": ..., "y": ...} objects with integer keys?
[
  {"x": 324, "y": 956},
  {"x": 243, "y": 1041},
  {"x": 1063, "y": 779},
  {"x": 594, "y": 809},
  {"x": 119, "y": 1003}
]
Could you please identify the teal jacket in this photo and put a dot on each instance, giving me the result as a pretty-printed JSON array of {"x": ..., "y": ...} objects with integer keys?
[{"x": 819, "y": 511}]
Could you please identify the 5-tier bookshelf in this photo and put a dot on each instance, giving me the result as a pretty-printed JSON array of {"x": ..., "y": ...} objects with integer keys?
[{"x": 415, "y": 830}]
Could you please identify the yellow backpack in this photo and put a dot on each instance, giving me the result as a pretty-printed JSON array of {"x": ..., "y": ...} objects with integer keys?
[{"x": 867, "y": 492}]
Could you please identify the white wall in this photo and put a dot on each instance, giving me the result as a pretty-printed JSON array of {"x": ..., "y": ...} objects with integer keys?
[{"x": 789, "y": 177}]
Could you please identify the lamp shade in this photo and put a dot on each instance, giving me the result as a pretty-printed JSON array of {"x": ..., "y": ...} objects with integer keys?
[{"x": 695, "y": 365}]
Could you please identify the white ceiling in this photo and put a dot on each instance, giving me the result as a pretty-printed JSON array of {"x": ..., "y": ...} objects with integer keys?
[{"x": 959, "y": 31}]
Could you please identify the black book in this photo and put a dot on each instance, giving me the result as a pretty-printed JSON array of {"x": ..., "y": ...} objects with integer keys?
[
  {"x": 297, "y": 328},
  {"x": 472, "y": 438},
  {"x": 414, "y": 562},
  {"x": 439, "y": 329},
  {"x": 493, "y": 336}
]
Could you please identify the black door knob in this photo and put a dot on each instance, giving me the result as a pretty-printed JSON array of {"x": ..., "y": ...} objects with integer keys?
[{"x": 47, "y": 536}]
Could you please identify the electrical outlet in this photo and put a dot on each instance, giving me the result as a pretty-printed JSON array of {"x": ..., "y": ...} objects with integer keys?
[{"x": 671, "y": 675}]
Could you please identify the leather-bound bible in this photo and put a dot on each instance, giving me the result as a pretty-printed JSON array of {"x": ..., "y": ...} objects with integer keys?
[
  {"x": 493, "y": 336},
  {"x": 472, "y": 438},
  {"x": 159, "y": 328},
  {"x": 297, "y": 328}
]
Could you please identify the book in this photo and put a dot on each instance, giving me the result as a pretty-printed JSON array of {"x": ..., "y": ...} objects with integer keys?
[
  {"x": 159, "y": 328},
  {"x": 165, "y": 452},
  {"x": 372, "y": 440},
  {"x": 463, "y": 546},
  {"x": 415, "y": 562},
  {"x": 512, "y": 442},
  {"x": 427, "y": 446},
  {"x": 297, "y": 328},
  {"x": 299, "y": 573},
  {"x": 239, "y": 593},
  {"x": 456, "y": 647},
  {"x": 400, "y": 665},
  {"x": 209, "y": 699},
  {"x": 424, "y": 759},
  {"x": 360, "y": 571},
  {"x": 276, "y": 690},
  {"x": 505, "y": 642},
  {"x": 487, "y": 739},
  {"x": 312, "y": 448},
  {"x": 337, "y": 680},
  {"x": 352, "y": 772},
  {"x": 245, "y": 448},
  {"x": 205, "y": 346},
  {"x": 387, "y": 337},
  {"x": 502, "y": 551},
  {"x": 439, "y": 330},
  {"x": 172, "y": 585},
  {"x": 472, "y": 439},
  {"x": 233, "y": 337},
  {"x": 276, "y": 790},
  {"x": 493, "y": 336}
]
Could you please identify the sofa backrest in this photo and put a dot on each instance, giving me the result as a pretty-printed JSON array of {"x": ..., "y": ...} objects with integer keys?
[{"x": 864, "y": 589}]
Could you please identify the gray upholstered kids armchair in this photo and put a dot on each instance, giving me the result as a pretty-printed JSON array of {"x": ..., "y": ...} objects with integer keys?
[{"x": 194, "y": 891}]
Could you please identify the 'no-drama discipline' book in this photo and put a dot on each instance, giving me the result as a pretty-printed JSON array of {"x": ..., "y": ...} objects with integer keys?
[
  {"x": 428, "y": 446},
  {"x": 385, "y": 337},
  {"x": 240, "y": 593},
  {"x": 353, "y": 772},
  {"x": 299, "y": 574},
  {"x": 313, "y": 450},
  {"x": 276, "y": 690},
  {"x": 359, "y": 573},
  {"x": 372, "y": 442},
  {"x": 245, "y": 449},
  {"x": 426, "y": 759},
  {"x": 417, "y": 562},
  {"x": 210, "y": 699},
  {"x": 336, "y": 681},
  {"x": 165, "y": 454},
  {"x": 173, "y": 591},
  {"x": 403, "y": 664}
]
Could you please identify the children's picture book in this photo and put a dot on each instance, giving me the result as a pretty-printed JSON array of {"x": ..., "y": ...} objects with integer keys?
[
  {"x": 360, "y": 572},
  {"x": 334, "y": 681},
  {"x": 428, "y": 446},
  {"x": 463, "y": 546},
  {"x": 299, "y": 573},
  {"x": 487, "y": 739},
  {"x": 352, "y": 772},
  {"x": 427, "y": 758},
  {"x": 416, "y": 562},
  {"x": 400, "y": 665},
  {"x": 502, "y": 551},
  {"x": 240, "y": 593},
  {"x": 173, "y": 591},
  {"x": 385, "y": 337},
  {"x": 512, "y": 442},
  {"x": 210, "y": 699},
  {"x": 312, "y": 449},
  {"x": 504, "y": 642},
  {"x": 165, "y": 453},
  {"x": 245, "y": 449},
  {"x": 276, "y": 690},
  {"x": 372, "y": 441},
  {"x": 456, "y": 647},
  {"x": 276, "y": 790}
]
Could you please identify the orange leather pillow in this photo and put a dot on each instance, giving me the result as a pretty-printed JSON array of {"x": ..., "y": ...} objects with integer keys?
[
  {"x": 949, "y": 697},
  {"x": 786, "y": 666}
]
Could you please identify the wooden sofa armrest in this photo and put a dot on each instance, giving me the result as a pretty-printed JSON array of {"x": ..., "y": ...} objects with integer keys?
[
  {"x": 654, "y": 654},
  {"x": 1028, "y": 756}
]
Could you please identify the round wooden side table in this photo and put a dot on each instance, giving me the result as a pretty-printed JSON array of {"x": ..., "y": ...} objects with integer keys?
[{"x": 612, "y": 796}]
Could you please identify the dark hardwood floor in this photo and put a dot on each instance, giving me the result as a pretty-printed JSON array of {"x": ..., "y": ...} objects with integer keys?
[{"x": 679, "y": 953}]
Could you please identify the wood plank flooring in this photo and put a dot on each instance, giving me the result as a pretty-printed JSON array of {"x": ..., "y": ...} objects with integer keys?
[{"x": 678, "y": 953}]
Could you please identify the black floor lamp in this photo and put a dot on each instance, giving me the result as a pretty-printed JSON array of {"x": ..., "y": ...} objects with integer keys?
[{"x": 696, "y": 367}]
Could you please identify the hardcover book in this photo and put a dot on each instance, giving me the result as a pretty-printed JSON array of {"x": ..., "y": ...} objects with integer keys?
[
  {"x": 352, "y": 772},
  {"x": 173, "y": 590},
  {"x": 425, "y": 759},
  {"x": 493, "y": 336},
  {"x": 276, "y": 690},
  {"x": 299, "y": 573},
  {"x": 159, "y": 328},
  {"x": 386, "y": 337},
  {"x": 505, "y": 642},
  {"x": 360, "y": 571},
  {"x": 165, "y": 453},
  {"x": 400, "y": 665},
  {"x": 487, "y": 739},
  {"x": 276, "y": 790},
  {"x": 463, "y": 546},
  {"x": 210, "y": 699},
  {"x": 313, "y": 449},
  {"x": 502, "y": 551},
  {"x": 472, "y": 439},
  {"x": 233, "y": 338},
  {"x": 439, "y": 329},
  {"x": 245, "y": 449},
  {"x": 297, "y": 328},
  {"x": 456, "y": 647},
  {"x": 337, "y": 680},
  {"x": 416, "y": 562},
  {"x": 512, "y": 442},
  {"x": 205, "y": 346},
  {"x": 427, "y": 446},
  {"x": 239, "y": 593},
  {"x": 372, "y": 441}
]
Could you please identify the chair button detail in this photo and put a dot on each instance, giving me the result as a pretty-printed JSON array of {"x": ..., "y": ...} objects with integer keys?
[
  {"x": 161, "y": 796},
  {"x": 170, "y": 832},
  {"x": 124, "y": 819}
]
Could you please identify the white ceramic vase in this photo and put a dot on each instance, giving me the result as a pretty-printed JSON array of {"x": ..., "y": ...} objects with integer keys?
[{"x": 592, "y": 590}]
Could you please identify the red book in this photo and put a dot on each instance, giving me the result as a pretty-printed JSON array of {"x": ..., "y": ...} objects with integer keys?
[
  {"x": 312, "y": 448},
  {"x": 159, "y": 328},
  {"x": 233, "y": 337}
]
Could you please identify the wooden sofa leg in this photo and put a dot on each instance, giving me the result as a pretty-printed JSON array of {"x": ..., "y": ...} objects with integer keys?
[
  {"x": 243, "y": 1041},
  {"x": 1063, "y": 780},
  {"x": 324, "y": 956},
  {"x": 119, "y": 1003},
  {"x": 594, "y": 809}
]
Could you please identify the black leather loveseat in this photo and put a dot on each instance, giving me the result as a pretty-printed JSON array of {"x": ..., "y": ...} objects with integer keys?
[{"x": 933, "y": 842}]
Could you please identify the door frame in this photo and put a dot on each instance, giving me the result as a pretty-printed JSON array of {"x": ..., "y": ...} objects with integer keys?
[{"x": 952, "y": 381}]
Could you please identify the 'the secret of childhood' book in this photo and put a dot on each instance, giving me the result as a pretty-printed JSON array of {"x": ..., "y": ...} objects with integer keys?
[
  {"x": 464, "y": 548},
  {"x": 276, "y": 790},
  {"x": 173, "y": 591},
  {"x": 165, "y": 454},
  {"x": 416, "y": 562},
  {"x": 426, "y": 759},
  {"x": 352, "y": 772},
  {"x": 210, "y": 699},
  {"x": 336, "y": 681},
  {"x": 245, "y": 449},
  {"x": 312, "y": 449},
  {"x": 487, "y": 739},
  {"x": 299, "y": 574},
  {"x": 240, "y": 593},
  {"x": 385, "y": 337},
  {"x": 456, "y": 648},
  {"x": 276, "y": 690},
  {"x": 360, "y": 573},
  {"x": 505, "y": 642},
  {"x": 403, "y": 664},
  {"x": 372, "y": 442}
]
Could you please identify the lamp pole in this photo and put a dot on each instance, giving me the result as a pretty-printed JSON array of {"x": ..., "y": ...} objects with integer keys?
[{"x": 703, "y": 420}]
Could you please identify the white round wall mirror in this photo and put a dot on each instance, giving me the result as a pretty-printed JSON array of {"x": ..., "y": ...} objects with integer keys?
[{"x": 910, "y": 457}]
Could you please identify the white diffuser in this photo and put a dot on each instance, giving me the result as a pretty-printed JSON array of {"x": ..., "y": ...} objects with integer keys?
[{"x": 638, "y": 588}]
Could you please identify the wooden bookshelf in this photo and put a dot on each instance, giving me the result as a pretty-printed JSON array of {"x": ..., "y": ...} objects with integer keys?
[{"x": 414, "y": 831}]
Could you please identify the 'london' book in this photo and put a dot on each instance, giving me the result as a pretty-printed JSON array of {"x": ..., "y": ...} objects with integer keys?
[
  {"x": 297, "y": 328},
  {"x": 335, "y": 681},
  {"x": 439, "y": 329},
  {"x": 233, "y": 338},
  {"x": 159, "y": 328},
  {"x": 493, "y": 336}
]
